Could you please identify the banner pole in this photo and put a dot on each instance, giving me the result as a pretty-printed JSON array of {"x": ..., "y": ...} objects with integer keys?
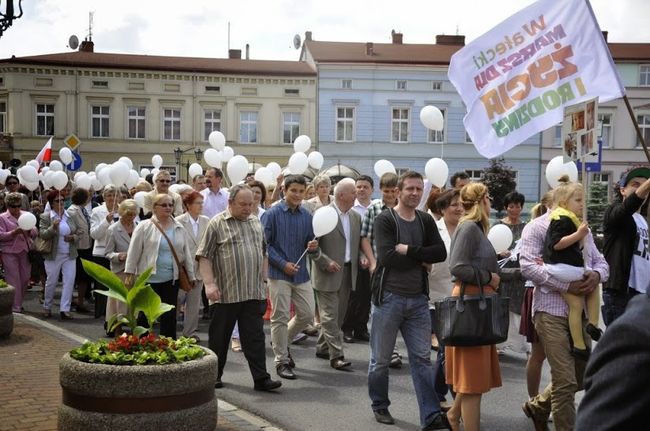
[{"x": 636, "y": 126}]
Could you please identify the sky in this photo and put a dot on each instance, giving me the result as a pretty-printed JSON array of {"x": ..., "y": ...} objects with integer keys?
[{"x": 199, "y": 28}]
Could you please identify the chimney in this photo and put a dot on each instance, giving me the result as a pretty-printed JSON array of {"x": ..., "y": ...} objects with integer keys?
[
  {"x": 397, "y": 37},
  {"x": 87, "y": 46},
  {"x": 234, "y": 53},
  {"x": 605, "y": 34},
  {"x": 444, "y": 39},
  {"x": 248, "y": 51},
  {"x": 308, "y": 35},
  {"x": 370, "y": 48}
]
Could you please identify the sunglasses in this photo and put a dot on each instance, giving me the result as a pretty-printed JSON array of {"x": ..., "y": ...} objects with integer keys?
[
  {"x": 165, "y": 205},
  {"x": 163, "y": 181},
  {"x": 13, "y": 183},
  {"x": 14, "y": 206}
]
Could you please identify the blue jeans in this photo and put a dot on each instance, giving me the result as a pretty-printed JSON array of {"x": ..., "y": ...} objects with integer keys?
[{"x": 411, "y": 317}]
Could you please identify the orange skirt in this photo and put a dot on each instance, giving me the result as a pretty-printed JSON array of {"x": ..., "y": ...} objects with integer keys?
[{"x": 472, "y": 370}]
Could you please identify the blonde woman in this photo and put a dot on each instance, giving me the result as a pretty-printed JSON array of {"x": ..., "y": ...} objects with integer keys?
[{"x": 472, "y": 371}]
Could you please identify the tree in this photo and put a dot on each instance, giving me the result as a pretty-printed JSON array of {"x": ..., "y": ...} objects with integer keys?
[
  {"x": 597, "y": 203},
  {"x": 500, "y": 180}
]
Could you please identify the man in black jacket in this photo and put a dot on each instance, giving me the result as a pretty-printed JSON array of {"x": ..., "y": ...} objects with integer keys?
[
  {"x": 626, "y": 244},
  {"x": 408, "y": 243}
]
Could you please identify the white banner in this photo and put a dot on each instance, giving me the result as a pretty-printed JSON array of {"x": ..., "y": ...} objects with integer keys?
[{"x": 516, "y": 78}]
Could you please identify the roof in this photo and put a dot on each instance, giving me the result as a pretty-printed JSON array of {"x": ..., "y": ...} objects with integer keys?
[
  {"x": 166, "y": 63},
  {"x": 389, "y": 53},
  {"x": 630, "y": 51}
]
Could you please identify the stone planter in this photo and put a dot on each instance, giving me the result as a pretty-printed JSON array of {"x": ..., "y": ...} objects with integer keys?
[
  {"x": 6, "y": 315},
  {"x": 138, "y": 397}
]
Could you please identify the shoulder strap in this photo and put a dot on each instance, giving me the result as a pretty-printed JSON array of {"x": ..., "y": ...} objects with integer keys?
[
  {"x": 392, "y": 213},
  {"x": 171, "y": 246}
]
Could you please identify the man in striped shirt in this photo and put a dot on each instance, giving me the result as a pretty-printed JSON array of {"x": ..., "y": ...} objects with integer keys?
[{"x": 232, "y": 261}]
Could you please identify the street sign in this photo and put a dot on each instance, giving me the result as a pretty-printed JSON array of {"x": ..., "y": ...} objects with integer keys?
[
  {"x": 593, "y": 160},
  {"x": 72, "y": 141},
  {"x": 76, "y": 162}
]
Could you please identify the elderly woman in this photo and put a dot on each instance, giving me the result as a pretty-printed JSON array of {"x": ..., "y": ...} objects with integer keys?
[
  {"x": 117, "y": 238},
  {"x": 57, "y": 226},
  {"x": 79, "y": 214},
  {"x": 15, "y": 244},
  {"x": 195, "y": 225},
  {"x": 259, "y": 197},
  {"x": 149, "y": 248},
  {"x": 472, "y": 371},
  {"x": 323, "y": 186}
]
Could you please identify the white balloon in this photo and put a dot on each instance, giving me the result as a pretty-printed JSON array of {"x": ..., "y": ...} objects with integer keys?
[
  {"x": 0, "y": 165},
  {"x": 99, "y": 167},
  {"x": 55, "y": 165},
  {"x": 265, "y": 176},
  {"x": 275, "y": 168},
  {"x": 29, "y": 174},
  {"x": 27, "y": 221},
  {"x": 217, "y": 140},
  {"x": 126, "y": 161},
  {"x": 76, "y": 175},
  {"x": 324, "y": 221},
  {"x": 133, "y": 179},
  {"x": 84, "y": 182},
  {"x": 437, "y": 171},
  {"x": 212, "y": 157},
  {"x": 104, "y": 176},
  {"x": 48, "y": 177},
  {"x": 4, "y": 173},
  {"x": 157, "y": 161},
  {"x": 556, "y": 168},
  {"x": 432, "y": 118},
  {"x": 227, "y": 153},
  {"x": 500, "y": 236},
  {"x": 119, "y": 173},
  {"x": 31, "y": 186},
  {"x": 45, "y": 170},
  {"x": 65, "y": 155},
  {"x": 33, "y": 163},
  {"x": 144, "y": 172},
  {"x": 174, "y": 188},
  {"x": 298, "y": 163},
  {"x": 315, "y": 160},
  {"x": 59, "y": 180},
  {"x": 154, "y": 172},
  {"x": 384, "y": 166},
  {"x": 96, "y": 184},
  {"x": 237, "y": 169},
  {"x": 302, "y": 144},
  {"x": 139, "y": 198},
  {"x": 195, "y": 169}
]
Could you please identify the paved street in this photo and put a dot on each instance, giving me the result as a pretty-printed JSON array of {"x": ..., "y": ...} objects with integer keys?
[{"x": 322, "y": 398}]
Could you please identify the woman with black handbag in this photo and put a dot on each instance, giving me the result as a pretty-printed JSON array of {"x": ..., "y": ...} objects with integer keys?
[{"x": 472, "y": 370}]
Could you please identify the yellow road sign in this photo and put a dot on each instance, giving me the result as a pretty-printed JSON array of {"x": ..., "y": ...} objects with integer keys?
[{"x": 72, "y": 141}]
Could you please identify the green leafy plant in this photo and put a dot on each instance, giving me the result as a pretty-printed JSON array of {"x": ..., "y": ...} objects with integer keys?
[
  {"x": 3, "y": 283},
  {"x": 140, "y": 298}
]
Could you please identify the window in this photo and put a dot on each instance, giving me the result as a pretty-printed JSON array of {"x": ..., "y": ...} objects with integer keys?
[
  {"x": 605, "y": 123},
  {"x": 401, "y": 85},
  {"x": 100, "y": 84},
  {"x": 212, "y": 89},
  {"x": 438, "y": 136},
  {"x": 172, "y": 124},
  {"x": 344, "y": 124},
  {"x": 474, "y": 174},
  {"x": 644, "y": 75},
  {"x": 211, "y": 123},
  {"x": 644, "y": 125},
  {"x": 291, "y": 92},
  {"x": 100, "y": 117},
  {"x": 3, "y": 117},
  {"x": 436, "y": 86},
  {"x": 248, "y": 127},
  {"x": 136, "y": 119},
  {"x": 600, "y": 177},
  {"x": 346, "y": 83},
  {"x": 400, "y": 125},
  {"x": 290, "y": 126},
  {"x": 44, "y": 119},
  {"x": 557, "y": 139}
]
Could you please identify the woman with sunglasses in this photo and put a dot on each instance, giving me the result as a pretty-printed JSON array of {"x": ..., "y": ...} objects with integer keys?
[
  {"x": 15, "y": 244},
  {"x": 150, "y": 249},
  {"x": 11, "y": 186},
  {"x": 56, "y": 226}
]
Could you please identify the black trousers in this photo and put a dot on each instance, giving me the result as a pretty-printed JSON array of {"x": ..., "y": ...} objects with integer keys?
[
  {"x": 168, "y": 292},
  {"x": 250, "y": 317},
  {"x": 100, "y": 300},
  {"x": 358, "y": 312}
]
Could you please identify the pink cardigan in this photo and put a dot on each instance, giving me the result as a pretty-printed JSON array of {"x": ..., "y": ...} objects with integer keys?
[{"x": 10, "y": 243}]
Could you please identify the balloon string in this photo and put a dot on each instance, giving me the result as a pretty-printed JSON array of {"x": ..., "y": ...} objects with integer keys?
[{"x": 303, "y": 253}]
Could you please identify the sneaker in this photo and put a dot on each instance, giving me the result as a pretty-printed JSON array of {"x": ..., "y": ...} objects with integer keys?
[
  {"x": 395, "y": 360},
  {"x": 299, "y": 338},
  {"x": 439, "y": 422}
]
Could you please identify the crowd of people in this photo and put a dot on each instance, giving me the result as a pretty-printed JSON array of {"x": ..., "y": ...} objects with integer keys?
[{"x": 249, "y": 248}]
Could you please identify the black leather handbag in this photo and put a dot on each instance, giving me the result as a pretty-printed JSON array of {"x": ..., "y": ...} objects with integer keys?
[{"x": 472, "y": 320}]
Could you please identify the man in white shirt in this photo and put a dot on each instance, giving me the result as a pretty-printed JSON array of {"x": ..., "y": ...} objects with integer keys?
[{"x": 215, "y": 198}]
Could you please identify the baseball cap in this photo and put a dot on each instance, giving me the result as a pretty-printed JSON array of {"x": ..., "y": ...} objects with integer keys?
[{"x": 641, "y": 171}]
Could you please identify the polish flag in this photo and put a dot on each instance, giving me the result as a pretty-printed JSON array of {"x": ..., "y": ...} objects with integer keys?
[{"x": 45, "y": 155}]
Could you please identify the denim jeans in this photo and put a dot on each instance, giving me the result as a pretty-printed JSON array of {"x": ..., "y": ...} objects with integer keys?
[
  {"x": 411, "y": 317},
  {"x": 615, "y": 302}
]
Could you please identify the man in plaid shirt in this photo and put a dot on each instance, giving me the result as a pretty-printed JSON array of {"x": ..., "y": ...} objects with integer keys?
[{"x": 550, "y": 313}]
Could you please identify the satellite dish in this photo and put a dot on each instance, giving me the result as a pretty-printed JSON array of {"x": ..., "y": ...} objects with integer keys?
[
  {"x": 73, "y": 42},
  {"x": 296, "y": 41}
]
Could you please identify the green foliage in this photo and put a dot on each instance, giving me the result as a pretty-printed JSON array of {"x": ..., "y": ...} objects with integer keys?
[
  {"x": 140, "y": 298},
  {"x": 597, "y": 203},
  {"x": 3, "y": 284},
  {"x": 500, "y": 180}
]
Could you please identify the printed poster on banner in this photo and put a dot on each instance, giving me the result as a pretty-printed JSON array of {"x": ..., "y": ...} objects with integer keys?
[
  {"x": 580, "y": 132},
  {"x": 516, "y": 79}
]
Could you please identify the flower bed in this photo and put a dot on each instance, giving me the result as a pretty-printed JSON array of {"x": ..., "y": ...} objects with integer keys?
[{"x": 6, "y": 303}]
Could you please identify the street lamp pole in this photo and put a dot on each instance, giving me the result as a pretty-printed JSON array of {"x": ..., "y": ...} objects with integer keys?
[{"x": 178, "y": 154}]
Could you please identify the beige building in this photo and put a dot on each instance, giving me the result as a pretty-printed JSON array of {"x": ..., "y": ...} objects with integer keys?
[{"x": 139, "y": 105}]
